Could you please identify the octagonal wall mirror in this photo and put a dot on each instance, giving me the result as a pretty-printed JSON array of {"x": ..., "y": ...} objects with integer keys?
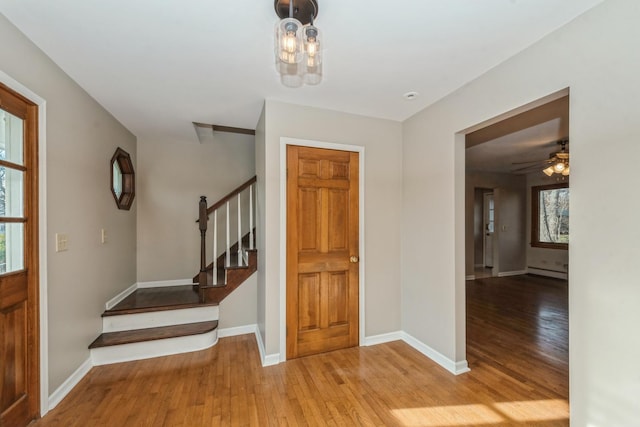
[{"x": 122, "y": 179}]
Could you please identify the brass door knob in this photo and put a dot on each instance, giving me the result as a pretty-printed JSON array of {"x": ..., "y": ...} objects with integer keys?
[{"x": 354, "y": 259}]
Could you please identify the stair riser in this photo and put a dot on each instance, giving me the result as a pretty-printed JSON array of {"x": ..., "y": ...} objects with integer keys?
[
  {"x": 154, "y": 319},
  {"x": 156, "y": 348}
]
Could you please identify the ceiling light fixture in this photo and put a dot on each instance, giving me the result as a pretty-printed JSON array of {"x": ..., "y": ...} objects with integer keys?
[
  {"x": 561, "y": 165},
  {"x": 298, "y": 50}
]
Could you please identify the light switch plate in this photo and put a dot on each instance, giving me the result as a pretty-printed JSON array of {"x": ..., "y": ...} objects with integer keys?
[{"x": 62, "y": 242}]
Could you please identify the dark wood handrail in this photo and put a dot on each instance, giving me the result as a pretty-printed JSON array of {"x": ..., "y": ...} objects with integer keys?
[{"x": 229, "y": 196}]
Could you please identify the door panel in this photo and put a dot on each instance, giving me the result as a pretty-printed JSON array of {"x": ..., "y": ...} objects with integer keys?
[
  {"x": 322, "y": 236},
  {"x": 19, "y": 362}
]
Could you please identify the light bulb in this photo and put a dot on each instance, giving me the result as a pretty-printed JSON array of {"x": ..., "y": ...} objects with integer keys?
[
  {"x": 565, "y": 172},
  {"x": 558, "y": 167},
  {"x": 548, "y": 171},
  {"x": 290, "y": 42}
]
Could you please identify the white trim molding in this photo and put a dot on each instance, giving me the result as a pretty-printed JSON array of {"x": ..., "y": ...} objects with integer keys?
[
  {"x": 266, "y": 359},
  {"x": 382, "y": 338},
  {"x": 155, "y": 348},
  {"x": 165, "y": 283},
  {"x": 284, "y": 141},
  {"x": 455, "y": 368},
  {"x": 548, "y": 273},
  {"x": 122, "y": 295},
  {"x": 237, "y": 330},
  {"x": 470, "y": 277},
  {"x": 68, "y": 385},
  {"x": 512, "y": 273}
]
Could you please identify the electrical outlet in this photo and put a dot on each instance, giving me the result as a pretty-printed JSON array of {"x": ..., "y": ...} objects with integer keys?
[
  {"x": 62, "y": 242},
  {"x": 103, "y": 236}
]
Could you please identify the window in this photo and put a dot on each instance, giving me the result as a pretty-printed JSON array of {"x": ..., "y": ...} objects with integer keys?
[{"x": 550, "y": 216}]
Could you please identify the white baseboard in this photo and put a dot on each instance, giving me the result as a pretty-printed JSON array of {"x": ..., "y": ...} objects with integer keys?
[
  {"x": 164, "y": 283},
  {"x": 237, "y": 330},
  {"x": 382, "y": 338},
  {"x": 470, "y": 277},
  {"x": 64, "y": 389},
  {"x": 122, "y": 295},
  {"x": 548, "y": 273},
  {"x": 267, "y": 359},
  {"x": 512, "y": 273},
  {"x": 455, "y": 368}
]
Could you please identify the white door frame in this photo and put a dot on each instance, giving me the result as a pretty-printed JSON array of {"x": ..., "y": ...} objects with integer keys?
[{"x": 284, "y": 141}]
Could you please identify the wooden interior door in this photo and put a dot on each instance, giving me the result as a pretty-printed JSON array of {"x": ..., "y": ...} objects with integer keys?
[
  {"x": 19, "y": 349},
  {"x": 322, "y": 250}
]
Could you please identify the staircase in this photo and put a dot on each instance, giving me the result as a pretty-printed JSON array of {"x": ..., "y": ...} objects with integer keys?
[{"x": 159, "y": 321}]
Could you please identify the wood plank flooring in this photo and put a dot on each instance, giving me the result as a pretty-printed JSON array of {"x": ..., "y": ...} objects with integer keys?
[
  {"x": 512, "y": 338},
  {"x": 156, "y": 299}
]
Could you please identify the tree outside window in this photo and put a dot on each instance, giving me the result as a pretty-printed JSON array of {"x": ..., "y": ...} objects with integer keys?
[{"x": 550, "y": 216}]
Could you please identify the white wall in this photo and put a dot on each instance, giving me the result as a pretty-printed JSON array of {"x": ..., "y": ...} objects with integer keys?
[
  {"x": 382, "y": 207},
  {"x": 596, "y": 55},
  {"x": 81, "y": 138},
  {"x": 261, "y": 229},
  {"x": 171, "y": 179}
]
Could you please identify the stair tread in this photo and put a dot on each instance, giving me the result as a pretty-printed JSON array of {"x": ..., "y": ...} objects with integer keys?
[
  {"x": 157, "y": 299},
  {"x": 151, "y": 334}
]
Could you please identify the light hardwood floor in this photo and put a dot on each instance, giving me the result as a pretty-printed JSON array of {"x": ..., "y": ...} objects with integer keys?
[{"x": 517, "y": 329}]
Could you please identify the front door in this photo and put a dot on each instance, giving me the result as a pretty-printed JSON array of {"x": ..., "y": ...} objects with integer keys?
[
  {"x": 322, "y": 250},
  {"x": 19, "y": 363}
]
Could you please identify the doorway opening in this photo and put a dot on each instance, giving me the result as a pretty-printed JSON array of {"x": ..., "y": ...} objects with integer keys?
[{"x": 517, "y": 287}]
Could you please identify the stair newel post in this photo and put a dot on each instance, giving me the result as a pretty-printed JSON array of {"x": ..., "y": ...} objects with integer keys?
[
  {"x": 251, "y": 216},
  {"x": 202, "y": 224},
  {"x": 239, "y": 232}
]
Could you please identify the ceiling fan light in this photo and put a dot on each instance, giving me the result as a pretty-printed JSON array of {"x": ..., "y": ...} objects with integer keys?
[
  {"x": 565, "y": 172},
  {"x": 558, "y": 167},
  {"x": 548, "y": 171}
]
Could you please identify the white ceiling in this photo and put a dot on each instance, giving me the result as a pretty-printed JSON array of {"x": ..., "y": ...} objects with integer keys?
[{"x": 159, "y": 65}]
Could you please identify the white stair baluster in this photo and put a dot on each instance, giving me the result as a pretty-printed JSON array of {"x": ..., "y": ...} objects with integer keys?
[
  {"x": 251, "y": 216},
  {"x": 239, "y": 232},
  {"x": 228, "y": 253},
  {"x": 215, "y": 247}
]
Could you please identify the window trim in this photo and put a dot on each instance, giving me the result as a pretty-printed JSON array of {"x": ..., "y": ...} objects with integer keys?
[{"x": 535, "y": 216}]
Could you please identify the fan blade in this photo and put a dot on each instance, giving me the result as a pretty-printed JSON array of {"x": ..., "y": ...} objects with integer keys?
[
  {"x": 530, "y": 161},
  {"x": 528, "y": 167}
]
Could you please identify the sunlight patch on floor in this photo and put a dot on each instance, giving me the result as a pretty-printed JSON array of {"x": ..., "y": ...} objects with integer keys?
[
  {"x": 469, "y": 415},
  {"x": 535, "y": 410}
]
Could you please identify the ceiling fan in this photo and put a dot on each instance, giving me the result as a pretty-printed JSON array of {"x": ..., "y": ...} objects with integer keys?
[{"x": 558, "y": 162}]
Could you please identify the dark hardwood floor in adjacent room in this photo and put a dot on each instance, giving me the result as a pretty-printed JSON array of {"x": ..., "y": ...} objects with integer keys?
[
  {"x": 520, "y": 325},
  {"x": 517, "y": 352}
]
